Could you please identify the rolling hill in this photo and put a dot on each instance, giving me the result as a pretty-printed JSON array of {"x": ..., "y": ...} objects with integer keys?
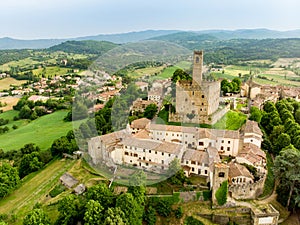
[
  {"x": 10, "y": 43},
  {"x": 84, "y": 47}
]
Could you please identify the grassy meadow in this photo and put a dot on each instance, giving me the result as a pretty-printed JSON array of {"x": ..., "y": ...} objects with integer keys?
[
  {"x": 42, "y": 131},
  {"x": 51, "y": 71},
  {"x": 232, "y": 120},
  {"x": 34, "y": 189}
]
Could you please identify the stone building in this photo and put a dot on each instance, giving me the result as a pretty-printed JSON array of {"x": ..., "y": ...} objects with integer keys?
[{"x": 197, "y": 101}]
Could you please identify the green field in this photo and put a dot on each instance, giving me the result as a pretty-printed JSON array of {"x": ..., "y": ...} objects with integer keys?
[
  {"x": 41, "y": 131},
  {"x": 231, "y": 121},
  {"x": 34, "y": 189},
  {"x": 51, "y": 71},
  {"x": 19, "y": 63},
  {"x": 146, "y": 71}
]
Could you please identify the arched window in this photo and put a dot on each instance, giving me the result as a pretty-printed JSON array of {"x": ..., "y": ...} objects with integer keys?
[
  {"x": 197, "y": 59},
  {"x": 221, "y": 174}
]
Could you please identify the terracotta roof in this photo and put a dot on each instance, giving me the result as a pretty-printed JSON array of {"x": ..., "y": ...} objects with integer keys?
[
  {"x": 196, "y": 155},
  {"x": 140, "y": 123},
  {"x": 172, "y": 128},
  {"x": 113, "y": 137},
  {"x": 252, "y": 153},
  {"x": 167, "y": 147},
  {"x": 143, "y": 134},
  {"x": 236, "y": 170},
  {"x": 252, "y": 127}
]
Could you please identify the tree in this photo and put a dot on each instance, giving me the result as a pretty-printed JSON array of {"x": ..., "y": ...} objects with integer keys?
[
  {"x": 71, "y": 210},
  {"x": 255, "y": 114},
  {"x": 102, "y": 194},
  {"x": 9, "y": 179},
  {"x": 163, "y": 208},
  {"x": 30, "y": 163},
  {"x": 150, "y": 111},
  {"x": 115, "y": 216},
  {"x": 36, "y": 217},
  {"x": 174, "y": 166},
  {"x": 133, "y": 213},
  {"x": 282, "y": 141},
  {"x": 25, "y": 112},
  {"x": 178, "y": 212},
  {"x": 93, "y": 214},
  {"x": 150, "y": 216},
  {"x": 286, "y": 169},
  {"x": 180, "y": 74},
  {"x": 137, "y": 186}
]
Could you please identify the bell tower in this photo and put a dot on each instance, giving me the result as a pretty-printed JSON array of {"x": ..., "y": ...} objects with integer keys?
[{"x": 197, "y": 67}]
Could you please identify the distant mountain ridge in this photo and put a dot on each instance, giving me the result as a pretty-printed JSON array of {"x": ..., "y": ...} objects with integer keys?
[{"x": 171, "y": 35}]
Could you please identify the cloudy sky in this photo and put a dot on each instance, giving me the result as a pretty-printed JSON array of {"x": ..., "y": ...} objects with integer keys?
[{"x": 31, "y": 19}]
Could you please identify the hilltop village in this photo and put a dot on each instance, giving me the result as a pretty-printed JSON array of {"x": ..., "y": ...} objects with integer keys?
[{"x": 220, "y": 156}]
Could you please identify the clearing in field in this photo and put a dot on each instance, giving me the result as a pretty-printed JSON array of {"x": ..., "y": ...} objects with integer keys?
[
  {"x": 42, "y": 131},
  {"x": 7, "y": 82},
  {"x": 8, "y": 103}
]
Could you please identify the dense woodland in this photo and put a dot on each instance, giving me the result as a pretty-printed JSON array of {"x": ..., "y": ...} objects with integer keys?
[{"x": 280, "y": 124}]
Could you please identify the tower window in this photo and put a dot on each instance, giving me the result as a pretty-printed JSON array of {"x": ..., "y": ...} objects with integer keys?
[
  {"x": 197, "y": 59},
  {"x": 202, "y": 96},
  {"x": 221, "y": 174}
]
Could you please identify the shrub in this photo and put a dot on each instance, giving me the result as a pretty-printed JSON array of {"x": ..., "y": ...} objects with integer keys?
[
  {"x": 57, "y": 190},
  {"x": 178, "y": 212},
  {"x": 221, "y": 193},
  {"x": 206, "y": 195}
]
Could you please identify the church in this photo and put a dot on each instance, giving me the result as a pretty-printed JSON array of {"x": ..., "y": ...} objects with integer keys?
[{"x": 198, "y": 100}]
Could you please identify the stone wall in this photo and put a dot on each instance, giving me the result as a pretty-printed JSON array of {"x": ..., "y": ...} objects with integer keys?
[{"x": 247, "y": 191}]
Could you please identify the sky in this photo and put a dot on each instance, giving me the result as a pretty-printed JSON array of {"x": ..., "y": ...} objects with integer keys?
[{"x": 34, "y": 19}]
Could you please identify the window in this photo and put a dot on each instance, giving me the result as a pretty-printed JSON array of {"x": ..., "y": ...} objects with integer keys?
[
  {"x": 144, "y": 158},
  {"x": 155, "y": 152},
  {"x": 186, "y": 162},
  {"x": 193, "y": 162},
  {"x": 222, "y": 147},
  {"x": 201, "y": 143},
  {"x": 199, "y": 171},
  {"x": 126, "y": 153},
  {"x": 197, "y": 59},
  {"x": 228, "y": 142},
  {"x": 169, "y": 155},
  {"x": 135, "y": 155},
  {"x": 228, "y": 148},
  {"x": 193, "y": 169},
  {"x": 149, "y": 151},
  {"x": 205, "y": 171},
  {"x": 147, "y": 164},
  {"x": 162, "y": 161},
  {"x": 144, "y": 150},
  {"x": 221, "y": 174},
  {"x": 162, "y": 153},
  {"x": 222, "y": 141},
  {"x": 202, "y": 96}
]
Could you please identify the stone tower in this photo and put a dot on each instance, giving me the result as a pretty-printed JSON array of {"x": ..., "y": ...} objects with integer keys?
[
  {"x": 197, "y": 67},
  {"x": 220, "y": 175}
]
